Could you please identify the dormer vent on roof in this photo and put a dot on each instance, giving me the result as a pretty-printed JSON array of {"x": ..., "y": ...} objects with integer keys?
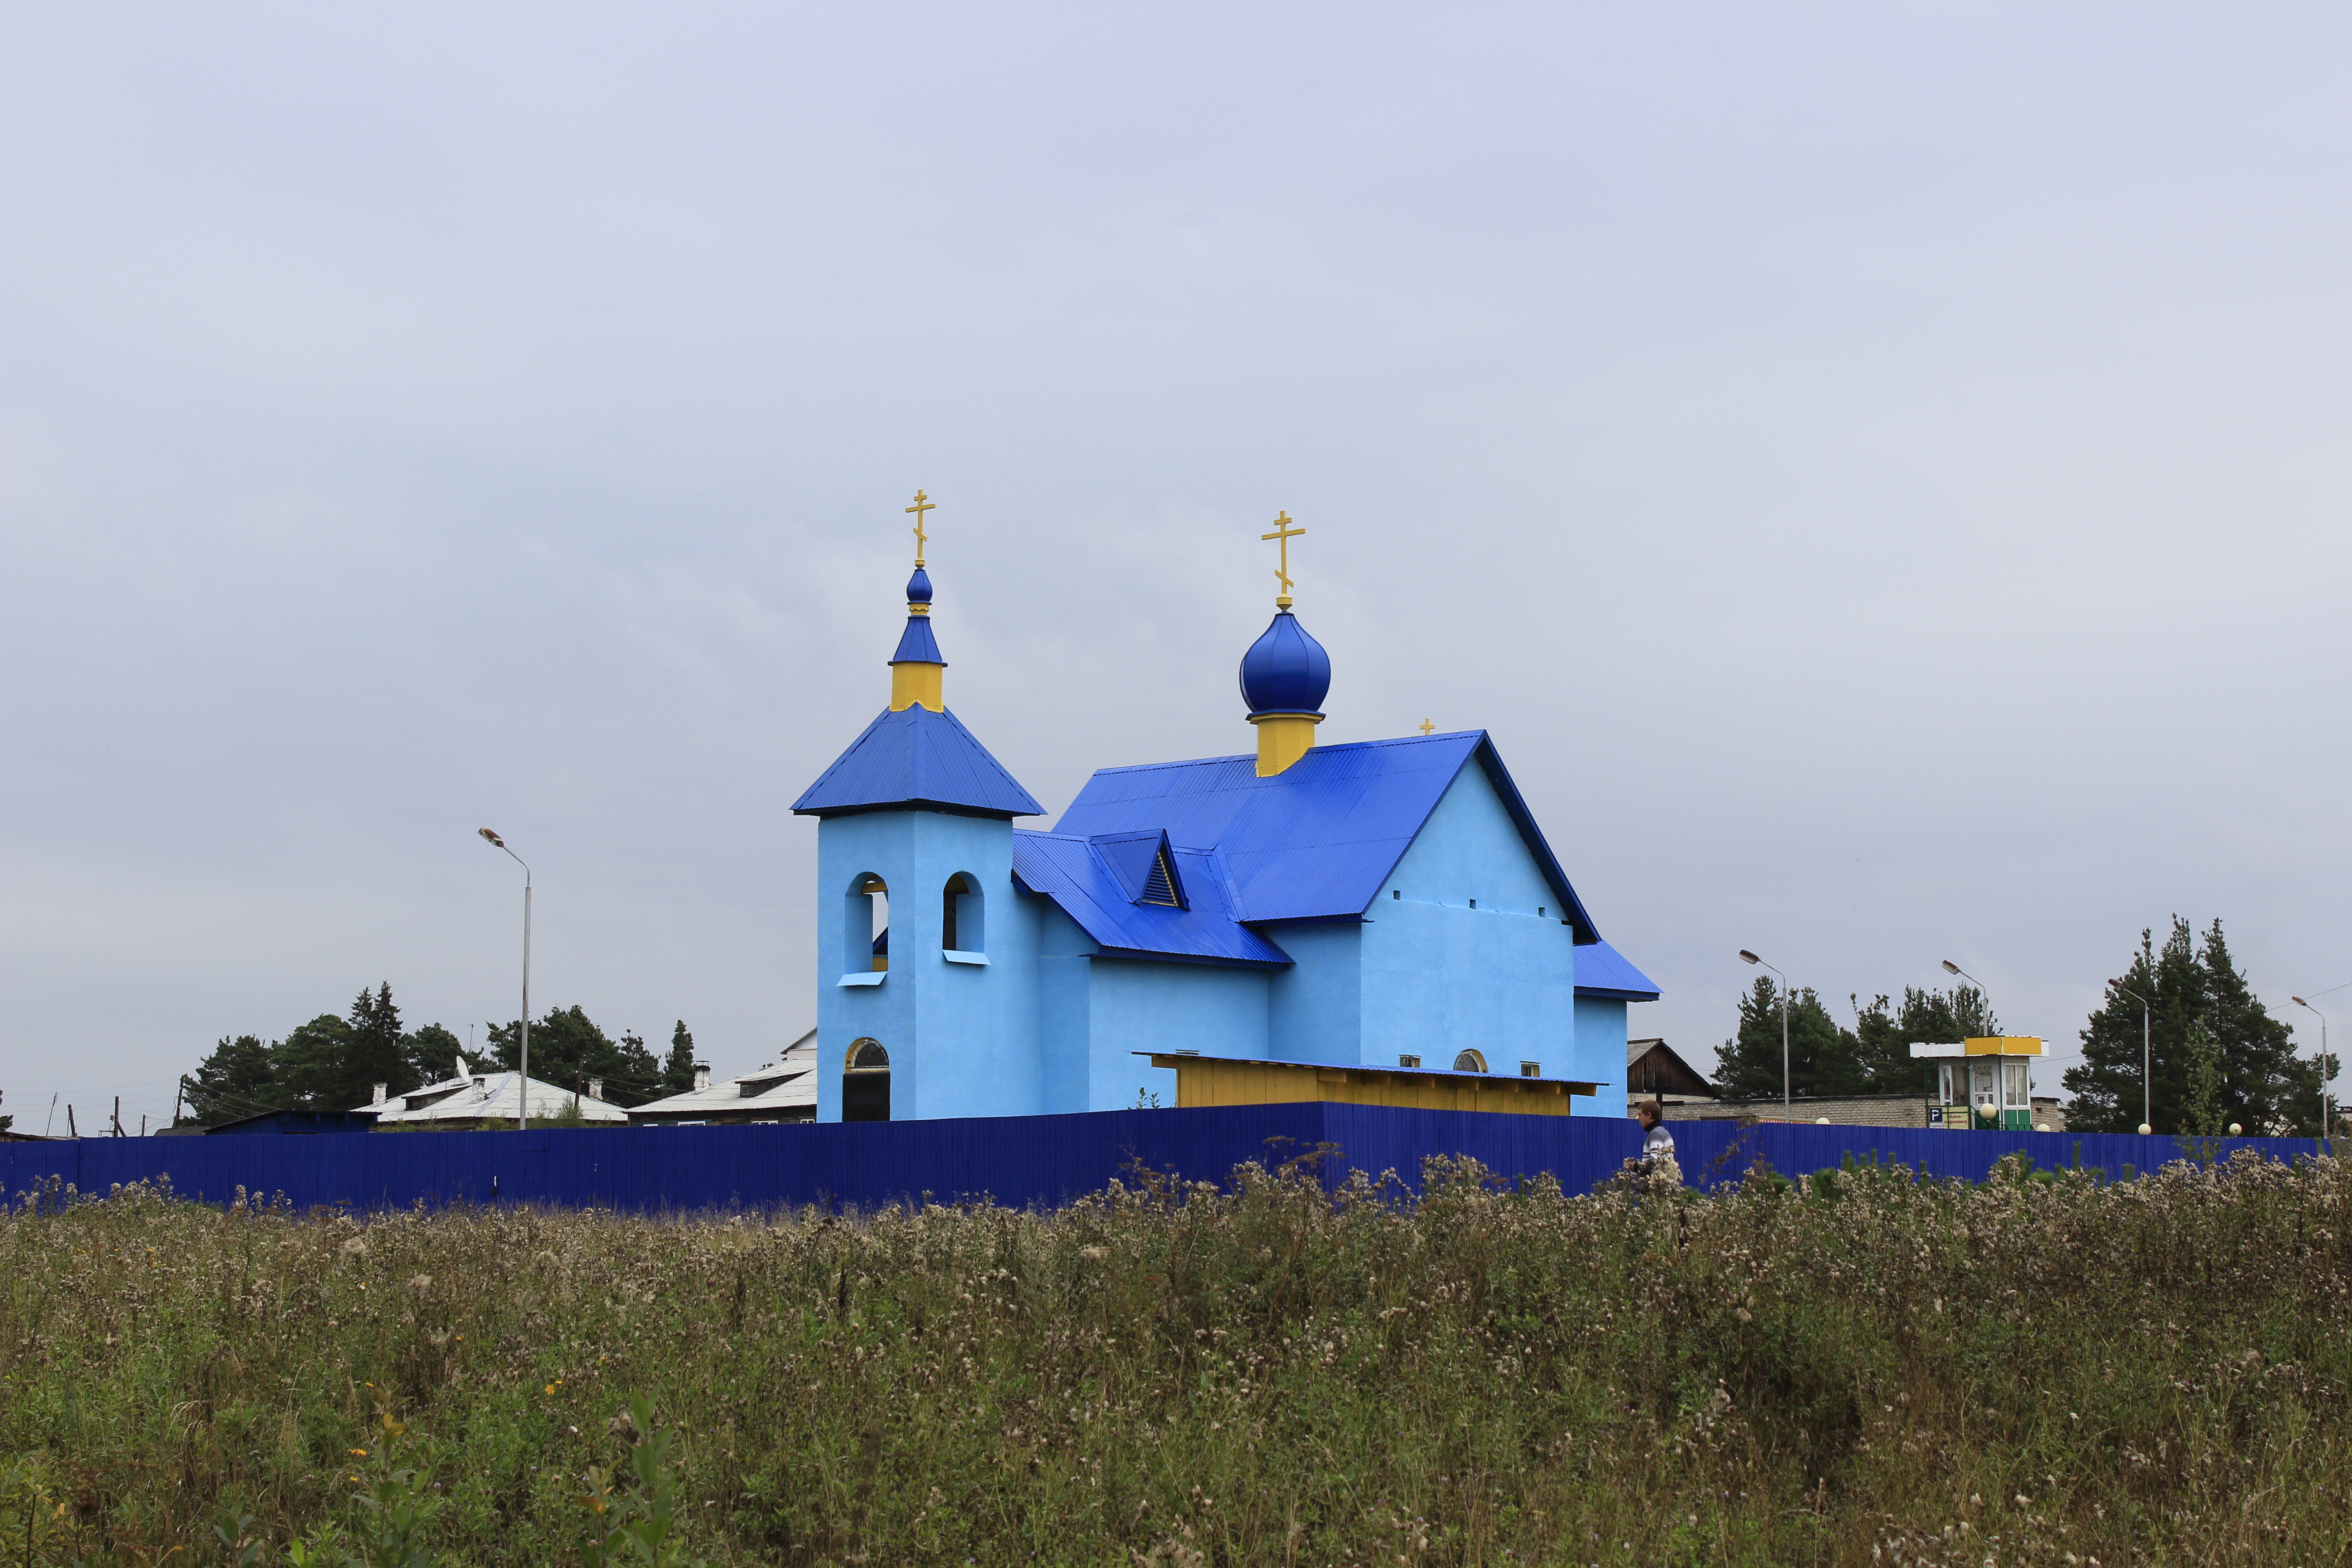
[{"x": 1144, "y": 866}]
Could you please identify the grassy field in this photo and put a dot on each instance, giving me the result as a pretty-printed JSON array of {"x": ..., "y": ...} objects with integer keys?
[{"x": 1861, "y": 1369}]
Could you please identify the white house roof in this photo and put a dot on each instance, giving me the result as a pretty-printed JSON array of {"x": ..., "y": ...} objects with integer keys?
[
  {"x": 788, "y": 1083},
  {"x": 478, "y": 1095}
]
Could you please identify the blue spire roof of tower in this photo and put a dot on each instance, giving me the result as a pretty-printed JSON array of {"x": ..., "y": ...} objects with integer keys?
[
  {"x": 916, "y": 644},
  {"x": 914, "y": 759},
  {"x": 1286, "y": 670}
]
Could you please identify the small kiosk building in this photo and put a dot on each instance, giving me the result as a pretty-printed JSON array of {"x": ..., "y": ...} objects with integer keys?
[{"x": 1986, "y": 1081}]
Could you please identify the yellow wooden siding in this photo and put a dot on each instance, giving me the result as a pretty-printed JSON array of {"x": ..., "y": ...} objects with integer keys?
[{"x": 1201, "y": 1082}]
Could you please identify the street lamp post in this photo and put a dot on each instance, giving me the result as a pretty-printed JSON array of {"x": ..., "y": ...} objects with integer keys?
[
  {"x": 2147, "y": 1093},
  {"x": 2326, "y": 1110},
  {"x": 1787, "y": 1104},
  {"x": 522, "y": 1082},
  {"x": 1951, "y": 968}
]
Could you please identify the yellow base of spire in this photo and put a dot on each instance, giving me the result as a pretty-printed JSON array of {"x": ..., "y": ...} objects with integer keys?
[
  {"x": 1283, "y": 739},
  {"x": 918, "y": 686}
]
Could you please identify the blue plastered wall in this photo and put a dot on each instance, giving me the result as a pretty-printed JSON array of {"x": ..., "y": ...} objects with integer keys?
[
  {"x": 963, "y": 1038},
  {"x": 1601, "y": 1032},
  {"x": 1096, "y": 1011},
  {"x": 1314, "y": 1007},
  {"x": 1439, "y": 976},
  {"x": 1145, "y": 1006}
]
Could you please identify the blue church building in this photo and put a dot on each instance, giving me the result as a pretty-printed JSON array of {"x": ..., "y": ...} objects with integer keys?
[{"x": 1375, "y": 903}]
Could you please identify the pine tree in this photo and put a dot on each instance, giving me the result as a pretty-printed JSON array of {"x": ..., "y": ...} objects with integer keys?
[
  {"x": 379, "y": 1053},
  {"x": 677, "y": 1067},
  {"x": 2190, "y": 986},
  {"x": 2200, "y": 1106},
  {"x": 567, "y": 1048},
  {"x": 1822, "y": 1057},
  {"x": 309, "y": 1065},
  {"x": 1933, "y": 1018},
  {"x": 635, "y": 1077},
  {"x": 237, "y": 1080},
  {"x": 432, "y": 1054}
]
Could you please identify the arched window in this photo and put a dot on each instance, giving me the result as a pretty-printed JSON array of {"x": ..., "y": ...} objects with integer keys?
[
  {"x": 961, "y": 927},
  {"x": 866, "y": 927},
  {"x": 866, "y": 1082},
  {"x": 1470, "y": 1061}
]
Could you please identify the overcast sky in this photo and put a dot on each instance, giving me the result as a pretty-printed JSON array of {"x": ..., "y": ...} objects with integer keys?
[{"x": 1880, "y": 472}]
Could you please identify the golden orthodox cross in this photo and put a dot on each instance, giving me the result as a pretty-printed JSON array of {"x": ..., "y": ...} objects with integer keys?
[
  {"x": 918, "y": 508},
  {"x": 1427, "y": 725},
  {"x": 1286, "y": 531}
]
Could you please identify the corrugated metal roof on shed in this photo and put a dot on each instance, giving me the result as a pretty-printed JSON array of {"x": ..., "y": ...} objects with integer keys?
[{"x": 916, "y": 757}]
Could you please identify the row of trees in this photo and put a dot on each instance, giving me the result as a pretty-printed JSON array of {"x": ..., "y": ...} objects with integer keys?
[
  {"x": 2218, "y": 1056},
  {"x": 333, "y": 1063},
  {"x": 1826, "y": 1057}
]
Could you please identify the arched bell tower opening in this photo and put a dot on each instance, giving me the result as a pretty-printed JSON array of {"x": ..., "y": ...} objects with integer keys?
[
  {"x": 962, "y": 914},
  {"x": 867, "y": 928},
  {"x": 866, "y": 1082}
]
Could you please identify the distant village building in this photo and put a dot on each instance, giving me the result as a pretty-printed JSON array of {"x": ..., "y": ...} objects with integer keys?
[
  {"x": 783, "y": 1090},
  {"x": 284, "y": 1122},
  {"x": 475, "y": 1100},
  {"x": 1386, "y": 904},
  {"x": 1656, "y": 1071}
]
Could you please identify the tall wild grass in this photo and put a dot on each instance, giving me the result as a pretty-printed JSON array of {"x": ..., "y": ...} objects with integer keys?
[{"x": 1861, "y": 1368}]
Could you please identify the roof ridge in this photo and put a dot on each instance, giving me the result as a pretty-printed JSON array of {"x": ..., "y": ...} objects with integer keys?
[{"x": 1319, "y": 746}]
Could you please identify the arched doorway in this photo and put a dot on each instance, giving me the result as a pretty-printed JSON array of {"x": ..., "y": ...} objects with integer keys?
[{"x": 866, "y": 1082}]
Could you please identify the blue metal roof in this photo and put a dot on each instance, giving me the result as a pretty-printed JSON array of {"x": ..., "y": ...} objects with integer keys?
[
  {"x": 917, "y": 758},
  {"x": 1602, "y": 971},
  {"x": 1317, "y": 840},
  {"x": 1131, "y": 855},
  {"x": 1075, "y": 874}
]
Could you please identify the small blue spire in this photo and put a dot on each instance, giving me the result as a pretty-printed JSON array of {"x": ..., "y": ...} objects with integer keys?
[
  {"x": 1286, "y": 670},
  {"x": 918, "y": 587}
]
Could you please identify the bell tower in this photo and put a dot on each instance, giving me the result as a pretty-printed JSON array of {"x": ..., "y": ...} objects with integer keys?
[{"x": 915, "y": 895}]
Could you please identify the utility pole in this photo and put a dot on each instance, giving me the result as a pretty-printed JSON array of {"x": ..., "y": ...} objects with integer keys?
[
  {"x": 117, "y": 1116},
  {"x": 71, "y": 1131}
]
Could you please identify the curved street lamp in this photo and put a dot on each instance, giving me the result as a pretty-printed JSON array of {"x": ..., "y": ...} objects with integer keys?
[
  {"x": 2325, "y": 1111},
  {"x": 1785, "y": 1097},
  {"x": 523, "y": 1084},
  {"x": 2147, "y": 1094},
  {"x": 1951, "y": 968}
]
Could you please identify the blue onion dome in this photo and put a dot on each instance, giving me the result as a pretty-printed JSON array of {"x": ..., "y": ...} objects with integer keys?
[
  {"x": 918, "y": 587},
  {"x": 1286, "y": 671}
]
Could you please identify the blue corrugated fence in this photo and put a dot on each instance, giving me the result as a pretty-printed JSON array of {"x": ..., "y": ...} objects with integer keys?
[{"x": 1019, "y": 1161}]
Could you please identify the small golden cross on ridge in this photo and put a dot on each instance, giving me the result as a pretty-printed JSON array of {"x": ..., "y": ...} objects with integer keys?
[
  {"x": 918, "y": 508},
  {"x": 1285, "y": 530},
  {"x": 1427, "y": 725}
]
